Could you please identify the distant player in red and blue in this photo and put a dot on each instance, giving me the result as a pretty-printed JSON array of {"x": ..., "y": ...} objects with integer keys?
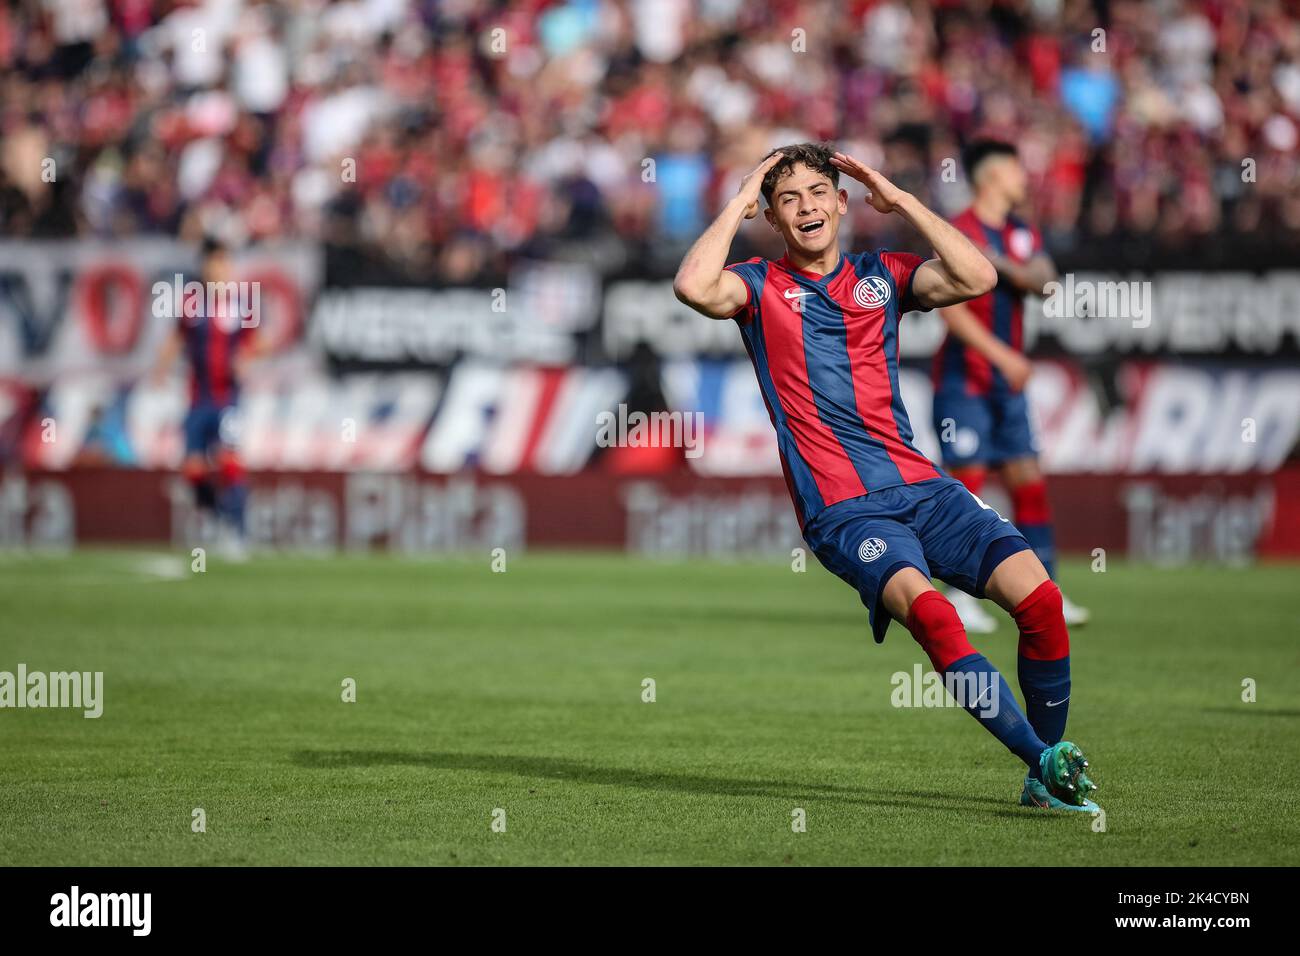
[
  {"x": 821, "y": 328},
  {"x": 215, "y": 347},
  {"x": 980, "y": 412}
]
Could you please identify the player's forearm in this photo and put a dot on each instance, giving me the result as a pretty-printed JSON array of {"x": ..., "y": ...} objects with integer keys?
[
  {"x": 973, "y": 333},
  {"x": 968, "y": 272},
  {"x": 699, "y": 277},
  {"x": 1032, "y": 276}
]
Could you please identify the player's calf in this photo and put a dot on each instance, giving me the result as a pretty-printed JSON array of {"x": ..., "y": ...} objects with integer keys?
[
  {"x": 976, "y": 684},
  {"x": 1021, "y": 585},
  {"x": 199, "y": 477},
  {"x": 1043, "y": 661}
]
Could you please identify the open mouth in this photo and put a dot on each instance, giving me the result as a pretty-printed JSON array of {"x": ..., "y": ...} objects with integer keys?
[{"x": 812, "y": 227}]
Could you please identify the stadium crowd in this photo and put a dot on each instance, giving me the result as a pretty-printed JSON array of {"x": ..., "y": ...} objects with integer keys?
[{"x": 437, "y": 138}]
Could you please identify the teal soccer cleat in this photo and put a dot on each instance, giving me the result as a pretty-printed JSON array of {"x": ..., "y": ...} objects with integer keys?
[
  {"x": 1035, "y": 794},
  {"x": 1065, "y": 785}
]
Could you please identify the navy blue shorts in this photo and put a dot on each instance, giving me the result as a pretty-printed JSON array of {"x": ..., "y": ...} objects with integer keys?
[
  {"x": 983, "y": 429},
  {"x": 935, "y": 526},
  {"x": 207, "y": 427}
]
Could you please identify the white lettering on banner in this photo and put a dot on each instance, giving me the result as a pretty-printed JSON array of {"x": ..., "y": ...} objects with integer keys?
[
  {"x": 36, "y": 514},
  {"x": 1173, "y": 419},
  {"x": 288, "y": 419},
  {"x": 432, "y": 326},
  {"x": 66, "y": 306},
  {"x": 405, "y": 514},
  {"x": 717, "y": 524},
  {"x": 1191, "y": 313},
  {"x": 394, "y": 512},
  {"x": 493, "y": 415},
  {"x": 1208, "y": 525},
  {"x": 1187, "y": 313}
]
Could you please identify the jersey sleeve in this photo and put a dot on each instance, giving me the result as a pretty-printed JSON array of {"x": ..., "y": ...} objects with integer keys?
[
  {"x": 751, "y": 273},
  {"x": 902, "y": 267},
  {"x": 970, "y": 227}
]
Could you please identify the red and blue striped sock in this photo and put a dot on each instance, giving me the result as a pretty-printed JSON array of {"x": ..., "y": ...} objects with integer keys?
[
  {"x": 934, "y": 623},
  {"x": 1044, "y": 661}
]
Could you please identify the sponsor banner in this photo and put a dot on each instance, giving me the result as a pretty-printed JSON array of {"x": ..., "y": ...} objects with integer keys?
[
  {"x": 503, "y": 419},
  {"x": 86, "y": 307},
  {"x": 1101, "y": 314},
  {"x": 527, "y": 378},
  {"x": 1197, "y": 419},
  {"x": 541, "y": 315},
  {"x": 1169, "y": 519}
]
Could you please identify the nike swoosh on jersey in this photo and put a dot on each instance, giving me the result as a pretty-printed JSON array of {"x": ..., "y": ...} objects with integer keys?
[
  {"x": 1057, "y": 703},
  {"x": 794, "y": 294}
]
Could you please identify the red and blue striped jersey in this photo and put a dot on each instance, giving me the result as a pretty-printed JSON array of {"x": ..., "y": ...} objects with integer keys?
[
  {"x": 1001, "y": 310},
  {"x": 211, "y": 343},
  {"x": 825, "y": 350}
]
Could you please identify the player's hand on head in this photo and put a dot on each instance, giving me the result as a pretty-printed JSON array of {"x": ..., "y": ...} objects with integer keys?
[
  {"x": 751, "y": 187},
  {"x": 882, "y": 195}
]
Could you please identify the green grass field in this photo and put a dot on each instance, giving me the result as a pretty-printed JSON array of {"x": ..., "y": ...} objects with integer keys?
[{"x": 523, "y": 691}]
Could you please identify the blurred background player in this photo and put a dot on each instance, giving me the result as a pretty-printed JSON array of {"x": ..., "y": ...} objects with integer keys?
[
  {"x": 217, "y": 343},
  {"x": 981, "y": 413}
]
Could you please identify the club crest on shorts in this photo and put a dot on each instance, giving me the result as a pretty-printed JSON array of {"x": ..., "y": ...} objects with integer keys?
[
  {"x": 871, "y": 549},
  {"x": 871, "y": 292}
]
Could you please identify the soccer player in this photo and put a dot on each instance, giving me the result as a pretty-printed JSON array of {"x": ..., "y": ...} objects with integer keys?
[
  {"x": 821, "y": 328},
  {"x": 980, "y": 410},
  {"x": 216, "y": 348}
]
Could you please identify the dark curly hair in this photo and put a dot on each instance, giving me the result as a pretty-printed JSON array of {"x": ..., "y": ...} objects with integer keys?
[{"x": 816, "y": 156}]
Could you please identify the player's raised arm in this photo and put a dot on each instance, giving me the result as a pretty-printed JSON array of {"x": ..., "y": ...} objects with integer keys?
[
  {"x": 702, "y": 280},
  {"x": 959, "y": 271}
]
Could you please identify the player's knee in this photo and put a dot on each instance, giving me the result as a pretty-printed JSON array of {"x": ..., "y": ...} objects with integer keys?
[
  {"x": 935, "y": 625},
  {"x": 1029, "y": 502},
  {"x": 1043, "y": 634}
]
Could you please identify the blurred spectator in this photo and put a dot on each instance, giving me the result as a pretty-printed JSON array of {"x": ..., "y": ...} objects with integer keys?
[{"x": 438, "y": 138}]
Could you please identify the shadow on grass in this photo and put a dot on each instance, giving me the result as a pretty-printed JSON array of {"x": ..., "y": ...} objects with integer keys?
[{"x": 551, "y": 768}]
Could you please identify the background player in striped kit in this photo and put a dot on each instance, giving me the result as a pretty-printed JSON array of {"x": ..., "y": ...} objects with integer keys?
[
  {"x": 216, "y": 341},
  {"x": 981, "y": 412}
]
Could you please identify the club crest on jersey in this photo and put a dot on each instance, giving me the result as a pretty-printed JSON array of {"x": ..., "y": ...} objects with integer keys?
[
  {"x": 870, "y": 549},
  {"x": 1021, "y": 243},
  {"x": 871, "y": 292}
]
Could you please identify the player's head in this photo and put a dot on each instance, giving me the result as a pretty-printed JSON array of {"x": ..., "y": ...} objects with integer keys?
[
  {"x": 804, "y": 201},
  {"x": 214, "y": 260},
  {"x": 994, "y": 170}
]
